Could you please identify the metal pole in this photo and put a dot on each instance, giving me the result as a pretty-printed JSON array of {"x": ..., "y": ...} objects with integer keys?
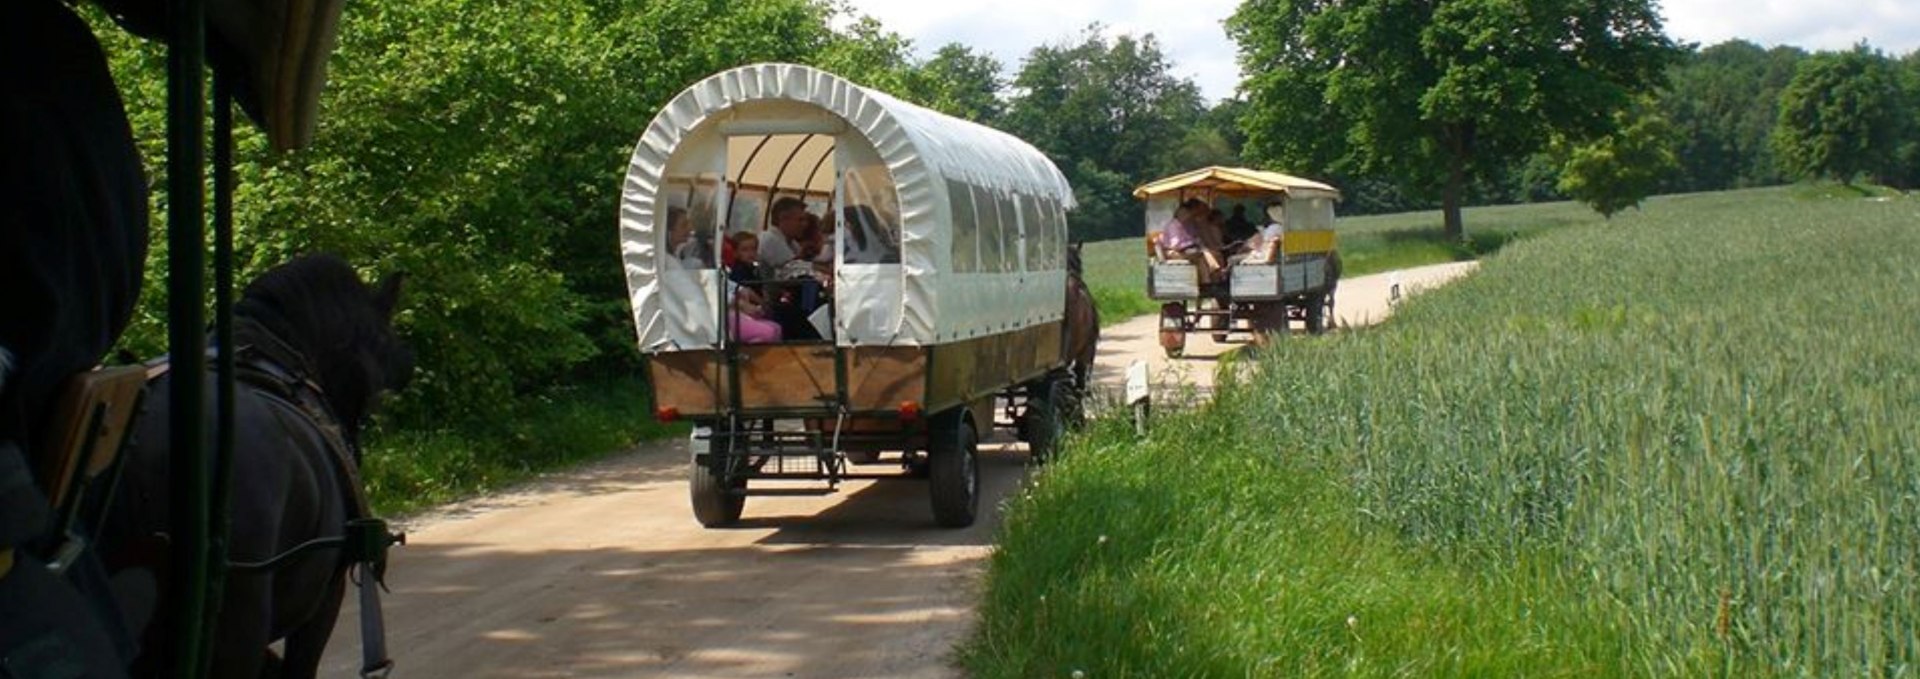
[
  {"x": 186, "y": 341},
  {"x": 218, "y": 519}
]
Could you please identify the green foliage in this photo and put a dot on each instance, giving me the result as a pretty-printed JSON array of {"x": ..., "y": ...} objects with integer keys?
[
  {"x": 1723, "y": 102},
  {"x": 960, "y": 82},
  {"x": 1111, "y": 114},
  {"x": 415, "y": 468},
  {"x": 1601, "y": 439},
  {"x": 1435, "y": 95},
  {"x": 1841, "y": 116},
  {"x": 1617, "y": 171}
]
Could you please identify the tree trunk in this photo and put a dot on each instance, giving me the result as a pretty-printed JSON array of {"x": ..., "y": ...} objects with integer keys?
[
  {"x": 1458, "y": 139},
  {"x": 1450, "y": 202}
]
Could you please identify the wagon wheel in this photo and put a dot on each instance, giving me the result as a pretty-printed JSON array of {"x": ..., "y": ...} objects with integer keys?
[
  {"x": 953, "y": 474},
  {"x": 1051, "y": 411},
  {"x": 1173, "y": 328},
  {"x": 717, "y": 499},
  {"x": 1317, "y": 308}
]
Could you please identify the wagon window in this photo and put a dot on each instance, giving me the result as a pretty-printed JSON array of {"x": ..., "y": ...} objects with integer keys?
[
  {"x": 986, "y": 211},
  {"x": 1032, "y": 236},
  {"x": 1312, "y": 214},
  {"x": 868, "y": 225},
  {"x": 966, "y": 257},
  {"x": 688, "y": 228}
]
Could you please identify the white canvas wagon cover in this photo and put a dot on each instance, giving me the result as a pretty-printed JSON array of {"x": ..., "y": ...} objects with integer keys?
[{"x": 936, "y": 166}]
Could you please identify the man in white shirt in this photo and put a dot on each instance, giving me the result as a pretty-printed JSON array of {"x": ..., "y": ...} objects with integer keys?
[{"x": 780, "y": 243}]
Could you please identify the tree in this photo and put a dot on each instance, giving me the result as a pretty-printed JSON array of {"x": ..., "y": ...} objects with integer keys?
[
  {"x": 1840, "y": 116},
  {"x": 1621, "y": 169},
  {"x": 1905, "y": 173},
  {"x": 1437, "y": 94},
  {"x": 1110, "y": 113},
  {"x": 959, "y": 82},
  {"x": 1723, "y": 101}
]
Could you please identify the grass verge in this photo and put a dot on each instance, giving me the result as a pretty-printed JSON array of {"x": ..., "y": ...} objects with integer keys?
[
  {"x": 407, "y": 470},
  {"x": 1681, "y": 443}
]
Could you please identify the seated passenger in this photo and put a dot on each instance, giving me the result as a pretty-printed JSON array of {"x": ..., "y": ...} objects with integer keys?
[
  {"x": 748, "y": 323},
  {"x": 783, "y": 240},
  {"x": 1265, "y": 246},
  {"x": 683, "y": 250},
  {"x": 1179, "y": 239},
  {"x": 746, "y": 257},
  {"x": 867, "y": 239}
]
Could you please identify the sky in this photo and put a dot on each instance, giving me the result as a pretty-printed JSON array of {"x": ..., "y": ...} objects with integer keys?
[{"x": 1191, "y": 35}]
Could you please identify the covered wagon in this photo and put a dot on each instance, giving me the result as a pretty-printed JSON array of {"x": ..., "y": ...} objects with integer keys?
[{"x": 925, "y": 278}]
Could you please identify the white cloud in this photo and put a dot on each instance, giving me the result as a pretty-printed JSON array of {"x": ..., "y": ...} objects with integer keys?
[{"x": 1191, "y": 32}]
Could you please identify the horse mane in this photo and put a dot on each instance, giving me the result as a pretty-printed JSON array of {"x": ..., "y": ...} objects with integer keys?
[{"x": 317, "y": 306}]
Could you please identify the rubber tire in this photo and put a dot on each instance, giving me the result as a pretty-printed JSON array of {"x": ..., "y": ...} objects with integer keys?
[
  {"x": 953, "y": 469},
  {"x": 714, "y": 504},
  {"x": 1050, "y": 413}
]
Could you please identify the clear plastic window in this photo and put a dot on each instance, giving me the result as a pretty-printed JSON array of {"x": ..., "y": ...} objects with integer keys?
[
  {"x": 986, "y": 210},
  {"x": 966, "y": 255},
  {"x": 866, "y": 227},
  {"x": 690, "y": 226},
  {"x": 1310, "y": 214}
]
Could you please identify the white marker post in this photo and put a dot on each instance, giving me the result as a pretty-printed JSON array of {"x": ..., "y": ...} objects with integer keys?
[{"x": 1139, "y": 395}]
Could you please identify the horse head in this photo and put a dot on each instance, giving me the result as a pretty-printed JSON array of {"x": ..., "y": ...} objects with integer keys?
[{"x": 340, "y": 328}]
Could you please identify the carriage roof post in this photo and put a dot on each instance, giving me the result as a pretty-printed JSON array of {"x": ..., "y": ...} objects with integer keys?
[
  {"x": 219, "y": 490},
  {"x": 186, "y": 341}
]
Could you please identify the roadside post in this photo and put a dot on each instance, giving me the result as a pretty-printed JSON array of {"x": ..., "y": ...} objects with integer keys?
[{"x": 1139, "y": 396}]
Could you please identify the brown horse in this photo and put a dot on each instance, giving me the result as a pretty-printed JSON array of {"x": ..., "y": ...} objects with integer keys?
[
  {"x": 314, "y": 348},
  {"x": 1083, "y": 322}
]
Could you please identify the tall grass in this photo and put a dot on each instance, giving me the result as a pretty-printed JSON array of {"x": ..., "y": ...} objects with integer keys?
[{"x": 1685, "y": 442}]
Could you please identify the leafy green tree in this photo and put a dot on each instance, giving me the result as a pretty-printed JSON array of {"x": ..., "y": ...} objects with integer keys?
[
  {"x": 960, "y": 82},
  {"x": 1617, "y": 171},
  {"x": 1905, "y": 173},
  {"x": 1723, "y": 102},
  {"x": 1104, "y": 109},
  {"x": 1841, "y": 116},
  {"x": 1437, "y": 94}
]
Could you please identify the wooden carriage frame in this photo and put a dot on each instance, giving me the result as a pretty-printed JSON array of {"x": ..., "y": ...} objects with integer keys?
[{"x": 959, "y": 329}]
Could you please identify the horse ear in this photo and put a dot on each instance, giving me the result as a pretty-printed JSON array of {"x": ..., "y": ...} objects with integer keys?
[{"x": 388, "y": 298}]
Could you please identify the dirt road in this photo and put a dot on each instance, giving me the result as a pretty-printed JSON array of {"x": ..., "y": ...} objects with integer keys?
[{"x": 602, "y": 571}]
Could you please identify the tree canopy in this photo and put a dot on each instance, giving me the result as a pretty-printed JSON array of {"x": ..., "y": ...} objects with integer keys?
[
  {"x": 1111, "y": 113},
  {"x": 1841, "y": 116},
  {"x": 1438, "y": 94}
]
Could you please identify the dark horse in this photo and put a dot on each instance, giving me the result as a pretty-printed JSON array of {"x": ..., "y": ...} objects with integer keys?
[
  {"x": 314, "y": 348},
  {"x": 1083, "y": 321}
]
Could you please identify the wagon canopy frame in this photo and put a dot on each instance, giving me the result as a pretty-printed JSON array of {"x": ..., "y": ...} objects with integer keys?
[
  {"x": 926, "y": 174},
  {"x": 1235, "y": 181}
]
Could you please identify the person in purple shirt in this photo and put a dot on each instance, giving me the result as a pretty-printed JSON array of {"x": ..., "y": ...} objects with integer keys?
[{"x": 1178, "y": 239}]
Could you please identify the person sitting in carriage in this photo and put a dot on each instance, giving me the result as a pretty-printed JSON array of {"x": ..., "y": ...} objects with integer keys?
[{"x": 1180, "y": 240}]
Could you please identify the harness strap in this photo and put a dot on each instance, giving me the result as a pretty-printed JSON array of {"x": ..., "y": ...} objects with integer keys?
[
  {"x": 366, "y": 539},
  {"x": 279, "y": 372}
]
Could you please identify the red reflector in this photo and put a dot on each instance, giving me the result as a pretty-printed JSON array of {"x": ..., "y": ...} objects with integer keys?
[
  {"x": 666, "y": 413},
  {"x": 909, "y": 411}
]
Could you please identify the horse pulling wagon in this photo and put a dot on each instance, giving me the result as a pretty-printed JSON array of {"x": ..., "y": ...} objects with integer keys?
[
  {"x": 942, "y": 298},
  {"x": 1285, "y": 272}
]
